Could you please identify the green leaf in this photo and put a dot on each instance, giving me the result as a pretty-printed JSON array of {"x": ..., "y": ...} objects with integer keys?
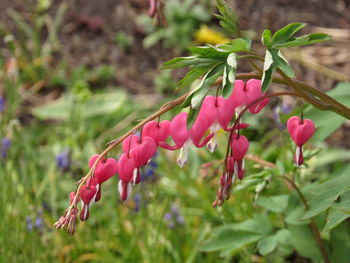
[
  {"x": 303, "y": 241},
  {"x": 209, "y": 80},
  {"x": 284, "y": 238},
  {"x": 237, "y": 45},
  {"x": 191, "y": 117},
  {"x": 304, "y": 40},
  {"x": 259, "y": 224},
  {"x": 275, "y": 203},
  {"x": 230, "y": 240},
  {"x": 267, "y": 245},
  {"x": 317, "y": 38},
  {"x": 106, "y": 103},
  {"x": 182, "y": 62},
  {"x": 283, "y": 64},
  {"x": 209, "y": 52},
  {"x": 285, "y": 33},
  {"x": 232, "y": 60},
  {"x": 228, "y": 18},
  {"x": 326, "y": 193},
  {"x": 228, "y": 80},
  {"x": 268, "y": 71},
  {"x": 340, "y": 244},
  {"x": 343, "y": 203},
  {"x": 266, "y": 38},
  {"x": 179, "y": 62},
  {"x": 191, "y": 76},
  {"x": 334, "y": 218}
]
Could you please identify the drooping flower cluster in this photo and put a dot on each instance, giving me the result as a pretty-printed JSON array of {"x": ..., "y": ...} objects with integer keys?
[{"x": 215, "y": 113}]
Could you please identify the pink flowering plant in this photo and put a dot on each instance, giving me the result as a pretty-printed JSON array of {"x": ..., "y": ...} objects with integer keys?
[{"x": 217, "y": 100}]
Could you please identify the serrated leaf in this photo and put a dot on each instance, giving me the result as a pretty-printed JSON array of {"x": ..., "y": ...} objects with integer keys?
[
  {"x": 267, "y": 245},
  {"x": 285, "y": 33}
]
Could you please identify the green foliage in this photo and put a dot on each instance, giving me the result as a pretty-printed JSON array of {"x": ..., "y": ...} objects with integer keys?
[
  {"x": 227, "y": 17},
  {"x": 183, "y": 18},
  {"x": 280, "y": 39}
]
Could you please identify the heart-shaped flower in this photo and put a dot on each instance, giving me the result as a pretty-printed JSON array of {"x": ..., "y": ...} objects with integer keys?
[
  {"x": 239, "y": 146},
  {"x": 143, "y": 150},
  {"x": 243, "y": 95},
  {"x": 105, "y": 169},
  {"x": 87, "y": 193},
  {"x": 300, "y": 131},
  {"x": 126, "y": 167},
  {"x": 129, "y": 142},
  {"x": 157, "y": 131}
]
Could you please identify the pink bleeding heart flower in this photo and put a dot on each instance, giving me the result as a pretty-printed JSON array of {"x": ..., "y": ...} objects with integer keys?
[
  {"x": 87, "y": 194},
  {"x": 239, "y": 146},
  {"x": 129, "y": 142},
  {"x": 183, "y": 137},
  {"x": 218, "y": 112},
  {"x": 246, "y": 94},
  {"x": 157, "y": 131},
  {"x": 93, "y": 181},
  {"x": 300, "y": 131},
  {"x": 105, "y": 169},
  {"x": 143, "y": 151},
  {"x": 126, "y": 167},
  {"x": 127, "y": 170}
]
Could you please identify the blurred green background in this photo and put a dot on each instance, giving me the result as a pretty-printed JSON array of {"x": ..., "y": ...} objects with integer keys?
[{"x": 77, "y": 74}]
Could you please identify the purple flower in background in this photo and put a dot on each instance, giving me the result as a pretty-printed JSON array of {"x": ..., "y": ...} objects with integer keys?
[
  {"x": 174, "y": 217},
  {"x": 285, "y": 108},
  {"x": 63, "y": 160},
  {"x": 2, "y": 103},
  {"x": 29, "y": 223},
  {"x": 149, "y": 172},
  {"x": 137, "y": 201},
  {"x": 5, "y": 145}
]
